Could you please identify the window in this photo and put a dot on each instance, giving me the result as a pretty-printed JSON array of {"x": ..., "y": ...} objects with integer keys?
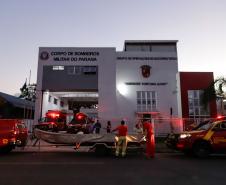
[
  {"x": 196, "y": 108},
  {"x": 146, "y": 101},
  {"x": 89, "y": 70},
  {"x": 72, "y": 70},
  {"x": 55, "y": 101},
  {"x": 78, "y": 70},
  {"x": 58, "y": 68},
  {"x": 50, "y": 98},
  {"x": 61, "y": 103}
]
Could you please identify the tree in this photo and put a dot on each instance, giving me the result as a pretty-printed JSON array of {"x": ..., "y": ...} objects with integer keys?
[
  {"x": 28, "y": 92},
  {"x": 220, "y": 83},
  {"x": 214, "y": 91},
  {"x": 24, "y": 91}
]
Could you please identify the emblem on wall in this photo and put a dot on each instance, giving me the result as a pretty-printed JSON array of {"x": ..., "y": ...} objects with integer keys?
[
  {"x": 146, "y": 70},
  {"x": 44, "y": 55}
]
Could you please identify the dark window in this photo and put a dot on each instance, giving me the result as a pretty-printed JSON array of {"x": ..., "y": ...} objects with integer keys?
[
  {"x": 55, "y": 101},
  {"x": 50, "y": 97},
  {"x": 223, "y": 125},
  {"x": 90, "y": 70},
  {"x": 71, "y": 70},
  {"x": 61, "y": 103}
]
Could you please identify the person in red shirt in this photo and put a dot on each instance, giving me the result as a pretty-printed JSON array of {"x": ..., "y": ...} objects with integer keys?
[
  {"x": 150, "y": 139},
  {"x": 122, "y": 141}
]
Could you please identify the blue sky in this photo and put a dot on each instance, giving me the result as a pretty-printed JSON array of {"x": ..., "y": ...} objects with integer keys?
[{"x": 25, "y": 25}]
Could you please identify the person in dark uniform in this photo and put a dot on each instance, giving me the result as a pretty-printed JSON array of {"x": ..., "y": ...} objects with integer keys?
[
  {"x": 97, "y": 127},
  {"x": 108, "y": 128}
]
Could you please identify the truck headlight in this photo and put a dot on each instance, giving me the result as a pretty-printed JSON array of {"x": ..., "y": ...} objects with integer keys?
[{"x": 182, "y": 136}]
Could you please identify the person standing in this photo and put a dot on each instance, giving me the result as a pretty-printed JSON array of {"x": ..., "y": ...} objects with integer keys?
[
  {"x": 108, "y": 128},
  {"x": 97, "y": 127},
  {"x": 138, "y": 129},
  {"x": 150, "y": 139},
  {"x": 122, "y": 141}
]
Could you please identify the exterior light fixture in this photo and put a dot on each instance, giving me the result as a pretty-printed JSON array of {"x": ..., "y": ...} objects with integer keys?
[{"x": 122, "y": 88}]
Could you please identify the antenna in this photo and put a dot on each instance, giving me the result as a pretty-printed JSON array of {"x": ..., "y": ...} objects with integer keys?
[{"x": 29, "y": 77}]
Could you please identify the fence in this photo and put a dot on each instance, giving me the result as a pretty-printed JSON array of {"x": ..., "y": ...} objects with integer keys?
[
  {"x": 29, "y": 124},
  {"x": 163, "y": 127}
]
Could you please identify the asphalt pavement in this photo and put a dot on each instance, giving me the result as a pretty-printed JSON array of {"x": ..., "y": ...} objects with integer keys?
[{"x": 57, "y": 168}]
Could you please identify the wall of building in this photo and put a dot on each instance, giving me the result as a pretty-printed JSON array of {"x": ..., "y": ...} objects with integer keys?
[
  {"x": 103, "y": 58},
  {"x": 195, "y": 81},
  {"x": 48, "y": 104},
  {"x": 221, "y": 107},
  {"x": 115, "y": 69},
  {"x": 162, "y": 80}
]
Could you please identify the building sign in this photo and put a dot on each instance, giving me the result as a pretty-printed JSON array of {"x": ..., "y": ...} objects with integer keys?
[
  {"x": 147, "y": 83},
  {"x": 146, "y": 58},
  {"x": 80, "y": 56}
]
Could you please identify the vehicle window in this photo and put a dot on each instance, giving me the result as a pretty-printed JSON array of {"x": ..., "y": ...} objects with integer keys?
[
  {"x": 41, "y": 120},
  {"x": 45, "y": 119},
  {"x": 205, "y": 126},
  {"x": 60, "y": 120},
  {"x": 217, "y": 126},
  {"x": 201, "y": 124},
  {"x": 21, "y": 126},
  {"x": 223, "y": 125}
]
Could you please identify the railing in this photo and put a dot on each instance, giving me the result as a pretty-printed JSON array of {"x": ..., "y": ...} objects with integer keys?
[{"x": 163, "y": 127}]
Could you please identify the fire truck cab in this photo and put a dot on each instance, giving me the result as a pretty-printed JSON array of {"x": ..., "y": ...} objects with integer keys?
[
  {"x": 80, "y": 123},
  {"x": 57, "y": 120},
  {"x": 54, "y": 120}
]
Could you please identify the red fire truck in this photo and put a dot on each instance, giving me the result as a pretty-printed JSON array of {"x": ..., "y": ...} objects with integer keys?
[
  {"x": 54, "y": 120},
  {"x": 13, "y": 132},
  {"x": 80, "y": 123}
]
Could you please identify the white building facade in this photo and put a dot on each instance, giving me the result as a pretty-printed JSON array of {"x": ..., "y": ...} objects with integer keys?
[{"x": 141, "y": 79}]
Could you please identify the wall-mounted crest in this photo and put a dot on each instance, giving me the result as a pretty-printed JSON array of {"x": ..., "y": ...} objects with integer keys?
[
  {"x": 44, "y": 55},
  {"x": 146, "y": 70}
]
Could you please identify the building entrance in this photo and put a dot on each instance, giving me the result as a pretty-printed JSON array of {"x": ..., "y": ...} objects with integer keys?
[{"x": 71, "y": 102}]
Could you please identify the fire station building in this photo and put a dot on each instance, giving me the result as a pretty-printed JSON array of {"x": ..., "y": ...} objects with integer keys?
[{"x": 115, "y": 85}]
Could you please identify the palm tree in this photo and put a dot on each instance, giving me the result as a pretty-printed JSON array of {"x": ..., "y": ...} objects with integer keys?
[
  {"x": 28, "y": 92},
  {"x": 215, "y": 91},
  {"x": 220, "y": 83}
]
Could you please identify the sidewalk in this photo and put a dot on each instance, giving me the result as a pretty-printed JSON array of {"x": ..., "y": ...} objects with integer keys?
[{"x": 42, "y": 146}]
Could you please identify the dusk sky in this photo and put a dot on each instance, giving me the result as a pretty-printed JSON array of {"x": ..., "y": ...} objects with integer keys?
[{"x": 26, "y": 25}]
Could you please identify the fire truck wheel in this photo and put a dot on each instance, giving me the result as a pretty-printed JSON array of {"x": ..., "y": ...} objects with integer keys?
[{"x": 201, "y": 149}]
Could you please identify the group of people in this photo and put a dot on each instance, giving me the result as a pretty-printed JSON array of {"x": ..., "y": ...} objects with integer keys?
[
  {"x": 144, "y": 128},
  {"x": 97, "y": 126}
]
